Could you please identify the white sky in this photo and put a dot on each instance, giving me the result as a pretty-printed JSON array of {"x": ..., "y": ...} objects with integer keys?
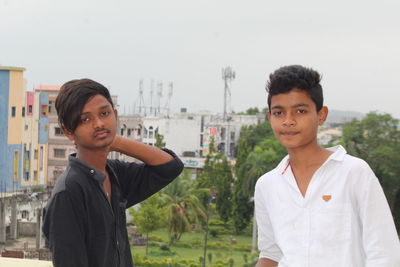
[{"x": 354, "y": 44}]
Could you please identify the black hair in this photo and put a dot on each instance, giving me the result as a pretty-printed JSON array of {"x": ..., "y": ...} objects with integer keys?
[
  {"x": 287, "y": 78},
  {"x": 72, "y": 98}
]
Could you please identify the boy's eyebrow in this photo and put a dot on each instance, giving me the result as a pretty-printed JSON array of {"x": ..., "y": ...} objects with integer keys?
[
  {"x": 300, "y": 105},
  {"x": 277, "y": 107},
  {"x": 102, "y": 107},
  {"x": 294, "y": 106}
]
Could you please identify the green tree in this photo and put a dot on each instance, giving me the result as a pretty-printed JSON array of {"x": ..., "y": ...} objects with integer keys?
[
  {"x": 217, "y": 175},
  {"x": 376, "y": 139},
  {"x": 258, "y": 152},
  {"x": 149, "y": 217},
  {"x": 159, "y": 141},
  {"x": 182, "y": 206}
]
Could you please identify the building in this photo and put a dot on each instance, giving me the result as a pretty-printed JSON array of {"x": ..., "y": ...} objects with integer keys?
[
  {"x": 12, "y": 113},
  {"x": 59, "y": 147},
  {"x": 225, "y": 133},
  {"x": 34, "y": 141}
]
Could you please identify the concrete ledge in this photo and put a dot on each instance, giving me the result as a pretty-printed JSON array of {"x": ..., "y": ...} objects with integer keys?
[{"x": 10, "y": 262}]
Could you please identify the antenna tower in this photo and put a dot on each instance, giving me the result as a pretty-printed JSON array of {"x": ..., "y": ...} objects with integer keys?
[{"x": 227, "y": 75}]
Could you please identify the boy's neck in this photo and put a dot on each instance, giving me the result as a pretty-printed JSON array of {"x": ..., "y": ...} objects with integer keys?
[
  {"x": 311, "y": 155},
  {"x": 97, "y": 158}
]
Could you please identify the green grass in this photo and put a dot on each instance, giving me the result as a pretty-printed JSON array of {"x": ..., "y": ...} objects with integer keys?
[{"x": 196, "y": 253}]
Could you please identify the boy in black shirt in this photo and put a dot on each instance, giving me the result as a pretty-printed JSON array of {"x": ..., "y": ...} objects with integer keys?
[{"x": 84, "y": 221}]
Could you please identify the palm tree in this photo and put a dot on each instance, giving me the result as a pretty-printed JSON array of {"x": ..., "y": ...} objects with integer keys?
[{"x": 182, "y": 205}]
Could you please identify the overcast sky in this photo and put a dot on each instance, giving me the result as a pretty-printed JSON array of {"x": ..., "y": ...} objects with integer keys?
[{"x": 354, "y": 44}]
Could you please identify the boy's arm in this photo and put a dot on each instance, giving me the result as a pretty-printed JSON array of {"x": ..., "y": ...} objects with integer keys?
[
  {"x": 270, "y": 253},
  {"x": 264, "y": 262},
  {"x": 140, "y": 181},
  {"x": 380, "y": 239},
  {"x": 148, "y": 154}
]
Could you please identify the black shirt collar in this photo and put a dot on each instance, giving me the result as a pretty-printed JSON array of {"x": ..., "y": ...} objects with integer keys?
[{"x": 90, "y": 171}]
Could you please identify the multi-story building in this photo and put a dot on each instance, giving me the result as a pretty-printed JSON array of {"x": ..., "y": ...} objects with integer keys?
[
  {"x": 23, "y": 132},
  {"x": 59, "y": 147},
  {"x": 12, "y": 113},
  {"x": 189, "y": 134},
  {"x": 35, "y": 132},
  {"x": 225, "y": 133}
]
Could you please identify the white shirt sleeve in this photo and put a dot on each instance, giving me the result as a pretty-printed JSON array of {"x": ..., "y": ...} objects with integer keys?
[
  {"x": 380, "y": 239},
  {"x": 266, "y": 241}
]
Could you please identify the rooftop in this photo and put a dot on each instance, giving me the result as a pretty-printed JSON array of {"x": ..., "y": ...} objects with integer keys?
[
  {"x": 11, "y": 68},
  {"x": 12, "y": 262},
  {"x": 47, "y": 88}
]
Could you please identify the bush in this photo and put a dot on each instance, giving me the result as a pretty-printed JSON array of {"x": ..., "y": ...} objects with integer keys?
[{"x": 157, "y": 238}]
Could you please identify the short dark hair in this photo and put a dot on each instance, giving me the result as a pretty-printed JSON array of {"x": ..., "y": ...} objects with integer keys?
[
  {"x": 72, "y": 98},
  {"x": 287, "y": 78}
]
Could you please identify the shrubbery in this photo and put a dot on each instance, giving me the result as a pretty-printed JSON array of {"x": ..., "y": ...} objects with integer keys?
[{"x": 172, "y": 262}]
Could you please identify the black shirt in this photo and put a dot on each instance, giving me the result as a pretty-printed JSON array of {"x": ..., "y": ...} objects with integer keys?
[{"x": 82, "y": 228}]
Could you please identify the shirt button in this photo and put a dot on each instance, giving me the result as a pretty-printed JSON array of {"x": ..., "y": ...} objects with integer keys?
[{"x": 91, "y": 171}]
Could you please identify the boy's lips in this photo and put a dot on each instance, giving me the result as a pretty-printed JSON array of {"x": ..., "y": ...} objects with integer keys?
[
  {"x": 289, "y": 133},
  {"x": 101, "y": 133}
]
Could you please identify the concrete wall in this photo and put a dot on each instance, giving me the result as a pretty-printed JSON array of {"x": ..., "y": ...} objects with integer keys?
[{"x": 26, "y": 228}]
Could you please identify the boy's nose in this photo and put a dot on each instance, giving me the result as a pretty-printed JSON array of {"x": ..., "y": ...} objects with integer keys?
[
  {"x": 98, "y": 123},
  {"x": 289, "y": 121}
]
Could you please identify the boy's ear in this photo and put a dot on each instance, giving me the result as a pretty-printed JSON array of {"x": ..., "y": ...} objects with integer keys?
[
  {"x": 323, "y": 114},
  {"x": 269, "y": 115},
  {"x": 116, "y": 113}
]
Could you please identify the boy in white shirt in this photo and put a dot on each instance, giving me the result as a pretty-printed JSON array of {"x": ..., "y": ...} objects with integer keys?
[{"x": 319, "y": 207}]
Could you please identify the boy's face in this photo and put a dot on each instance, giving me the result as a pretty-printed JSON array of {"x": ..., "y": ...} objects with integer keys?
[
  {"x": 97, "y": 127},
  {"x": 294, "y": 119}
]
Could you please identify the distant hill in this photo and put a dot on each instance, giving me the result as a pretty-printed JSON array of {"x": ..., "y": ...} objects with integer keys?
[{"x": 340, "y": 116}]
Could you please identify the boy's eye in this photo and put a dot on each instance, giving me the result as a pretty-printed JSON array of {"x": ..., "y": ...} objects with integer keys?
[
  {"x": 85, "y": 120},
  {"x": 302, "y": 111},
  {"x": 105, "y": 113},
  {"x": 277, "y": 113}
]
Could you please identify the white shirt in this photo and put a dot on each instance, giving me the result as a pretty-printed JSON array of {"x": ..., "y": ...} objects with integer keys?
[{"x": 343, "y": 220}]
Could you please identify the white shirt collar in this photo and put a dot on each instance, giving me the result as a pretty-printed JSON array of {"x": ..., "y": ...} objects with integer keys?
[{"x": 339, "y": 152}]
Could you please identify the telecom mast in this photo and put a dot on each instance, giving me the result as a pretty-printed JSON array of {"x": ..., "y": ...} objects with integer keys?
[{"x": 227, "y": 75}]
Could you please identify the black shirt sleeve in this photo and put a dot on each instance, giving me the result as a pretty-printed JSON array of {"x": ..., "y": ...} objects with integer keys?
[
  {"x": 140, "y": 181},
  {"x": 64, "y": 231}
]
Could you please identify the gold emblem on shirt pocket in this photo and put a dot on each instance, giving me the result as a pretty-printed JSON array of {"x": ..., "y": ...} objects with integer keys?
[{"x": 326, "y": 198}]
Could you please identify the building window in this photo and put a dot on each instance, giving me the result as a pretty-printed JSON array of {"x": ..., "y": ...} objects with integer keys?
[
  {"x": 45, "y": 110},
  {"x": 12, "y": 111},
  {"x": 59, "y": 153},
  {"x": 41, "y": 158},
  {"x": 58, "y": 131},
  {"x": 30, "y": 108},
  {"x": 16, "y": 158},
  {"x": 26, "y": 127},
  {"x": 35, "y": 175},
  {"x": 26, "y": 176},
  {"x": 24, "y": 214},
  {"x": 129, "y": 132},
  {"x": 35, "y": 154},
  {"x": 151, "y": 133},
  {"x": 23, "y": 111}
]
